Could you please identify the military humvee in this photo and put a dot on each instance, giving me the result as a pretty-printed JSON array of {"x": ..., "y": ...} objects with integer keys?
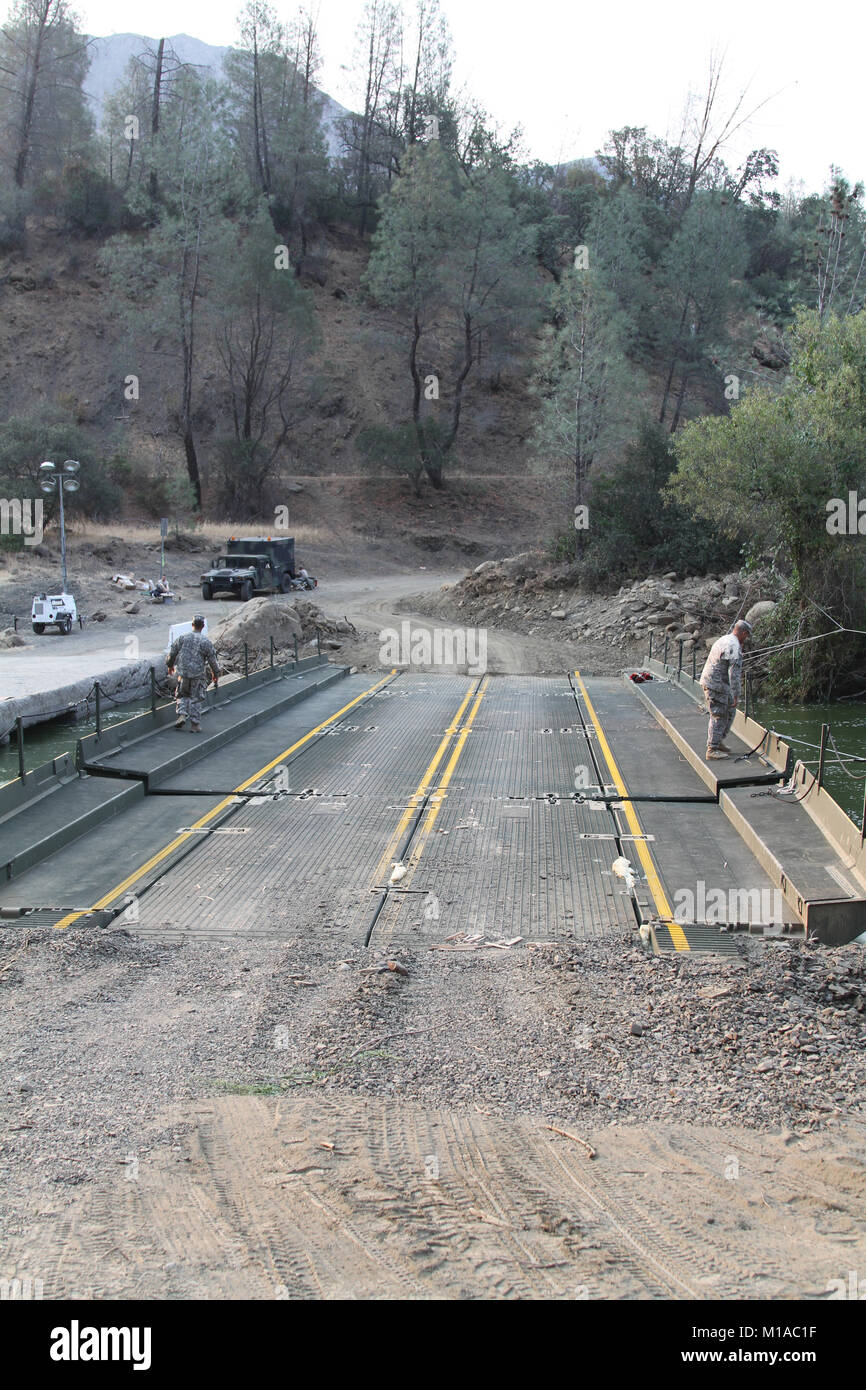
[{"x": 251, "y": 565}]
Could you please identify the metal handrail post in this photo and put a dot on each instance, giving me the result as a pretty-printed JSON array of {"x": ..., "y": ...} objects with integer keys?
[{"x": 825, "y": 730}]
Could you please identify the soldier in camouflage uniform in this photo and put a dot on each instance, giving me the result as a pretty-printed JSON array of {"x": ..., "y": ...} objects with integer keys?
[
  {"x": 721, "y": 682},
  {"x": 193, "y": 654}
]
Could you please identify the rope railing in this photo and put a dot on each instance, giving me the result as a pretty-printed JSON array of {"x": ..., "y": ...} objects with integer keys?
[
  {"x": 159, "y": 689},
  {"x": 828, "y": 751}
]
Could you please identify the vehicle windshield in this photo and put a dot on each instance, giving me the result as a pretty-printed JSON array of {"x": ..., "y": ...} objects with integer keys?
[{"x": 237, "y": 562}]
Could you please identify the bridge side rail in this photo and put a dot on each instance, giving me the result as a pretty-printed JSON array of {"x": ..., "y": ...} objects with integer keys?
[
  {"x": 832, "y": 921},
  {"x": 138, "y": 726}
]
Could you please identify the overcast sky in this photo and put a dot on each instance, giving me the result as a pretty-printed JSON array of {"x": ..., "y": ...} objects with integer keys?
[{"x": 568, "y": 71}]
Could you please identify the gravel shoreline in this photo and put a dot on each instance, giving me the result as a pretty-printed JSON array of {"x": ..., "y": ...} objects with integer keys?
[{"x": 102, "y": 1032}]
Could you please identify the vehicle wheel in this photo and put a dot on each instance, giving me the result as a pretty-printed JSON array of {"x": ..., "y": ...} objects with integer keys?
[
  {"x": 285, "y": 582},
  {"x": 66, "y": 627},
  {"x": 206, "y": 591},
  {"x": 246, "y": 590},
  {"x": 39, "y": 628}
]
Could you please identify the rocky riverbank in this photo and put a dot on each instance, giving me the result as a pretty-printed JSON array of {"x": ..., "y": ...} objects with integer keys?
[{"x": 527, "y": 594}]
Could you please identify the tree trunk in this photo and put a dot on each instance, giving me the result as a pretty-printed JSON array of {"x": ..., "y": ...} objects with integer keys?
[
  {"x": 681, "y": 395},
  {"x": 23, "y": 155},
  {"x": 410, "y": 134},
  {"x": 154, "y": 114},
  {"x": 259, "y": 131},
  {"x": 416, "y": 401},
  {"x": 670, "y": 379},
  {"x": 458, "y": 392},
  {"x": 192, "y": 463}
]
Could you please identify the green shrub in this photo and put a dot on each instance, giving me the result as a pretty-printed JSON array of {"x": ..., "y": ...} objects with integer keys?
[
  {"x": 14, "y": 206},
  {"x": 396, "y": 448},
  {"x": 167, "y": 492},
  {"x": 48, "y": 432},
  {"x": 631, "y": 529},
  {"x": 241, "y": 482},
  {"x": 85, "y": 200}
]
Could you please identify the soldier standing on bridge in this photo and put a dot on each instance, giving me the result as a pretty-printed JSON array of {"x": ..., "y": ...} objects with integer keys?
[
  {"x": 721, "y": 682},
  {"x": 193, "y": 654}
]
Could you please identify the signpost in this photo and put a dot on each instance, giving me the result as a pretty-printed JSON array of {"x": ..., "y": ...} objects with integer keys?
[{"x": 163, "y": 531}]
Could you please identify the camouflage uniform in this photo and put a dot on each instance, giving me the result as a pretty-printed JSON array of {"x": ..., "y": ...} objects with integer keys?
[
  {"x": 721, "y": 682},
  {"x": 192, "y": 654}
]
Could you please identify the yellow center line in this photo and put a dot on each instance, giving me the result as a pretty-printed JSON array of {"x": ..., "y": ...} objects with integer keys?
[
  {"x": 157, "y": 858},
  {"x": 421, "y": 790},
  {"x": 438, "y": 796},
  {"x": 660, "y": 897}
]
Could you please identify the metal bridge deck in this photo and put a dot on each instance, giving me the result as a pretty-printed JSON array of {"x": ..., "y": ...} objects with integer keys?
[{"x": 467, "y": 785}]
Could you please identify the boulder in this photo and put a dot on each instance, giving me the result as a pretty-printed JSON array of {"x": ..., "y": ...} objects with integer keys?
[{"x": 759, "y": 610}]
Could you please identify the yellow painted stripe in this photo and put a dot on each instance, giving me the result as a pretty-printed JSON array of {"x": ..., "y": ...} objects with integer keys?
[
  {"x": 421, "y": 790},
  {"x": 438, "y": 797},
  {"x": 660, "y": 897},
  {"x": 157, "y": 858}
]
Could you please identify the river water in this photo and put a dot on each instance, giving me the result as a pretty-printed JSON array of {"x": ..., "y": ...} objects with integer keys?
[
  {"x": 42, "y": 742},
  {"x": 847, "y": 721}
]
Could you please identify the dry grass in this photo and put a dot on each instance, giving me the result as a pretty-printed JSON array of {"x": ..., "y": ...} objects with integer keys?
[{"x": 214, "y": 533}]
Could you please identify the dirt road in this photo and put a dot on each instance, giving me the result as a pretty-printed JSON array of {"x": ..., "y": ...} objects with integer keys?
[
  {"x": 377, "y": 605},
  {"x": 415, "y": 1139},
  {"x": 50, "y": 661},
  {"x": 381, "y": 605}
]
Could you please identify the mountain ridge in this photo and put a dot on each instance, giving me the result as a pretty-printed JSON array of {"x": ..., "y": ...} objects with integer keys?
[{"x": 110, "y": 55}]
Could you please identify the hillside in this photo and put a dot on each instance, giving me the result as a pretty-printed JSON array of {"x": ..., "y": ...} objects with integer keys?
[{"x": 59, "y": 344}]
